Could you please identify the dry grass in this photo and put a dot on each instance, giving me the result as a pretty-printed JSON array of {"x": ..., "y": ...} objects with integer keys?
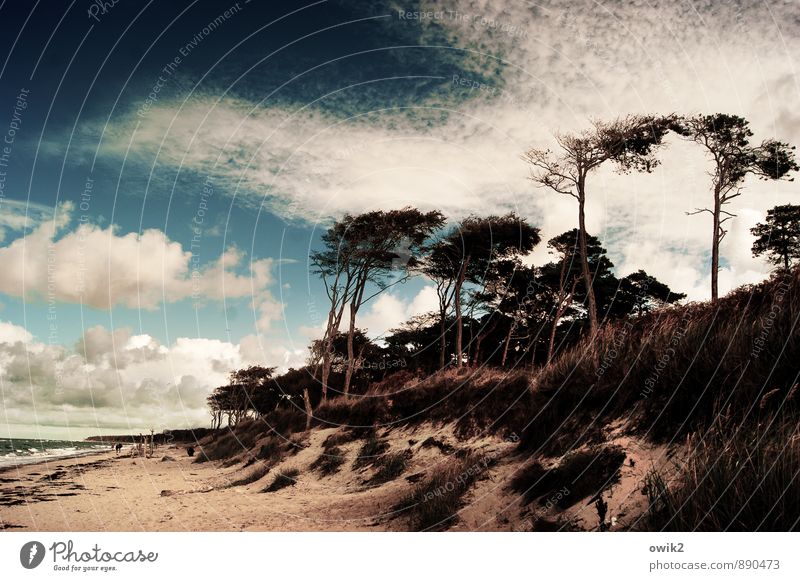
[
  {"x": 256, "y": 473},
  {"x": 433, "y": 504},
  {"x": 283, "y": 480},
  {"x": 389, "y": 467},
  {"x": 372, "y": 451},
  {"x": 672, "y": 369},
  {"x": 329, "y": 462},
  {"x": 579, "y": 474},
  {"x": 745, "y": 479}
]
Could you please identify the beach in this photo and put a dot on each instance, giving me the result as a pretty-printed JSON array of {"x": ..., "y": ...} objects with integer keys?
[
  {"x": 173, "y": 492},
  {"x": 105, "y": 492}
]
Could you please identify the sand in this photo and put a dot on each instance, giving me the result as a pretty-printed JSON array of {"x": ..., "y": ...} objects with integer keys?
[{"x": 106, "y": 492}]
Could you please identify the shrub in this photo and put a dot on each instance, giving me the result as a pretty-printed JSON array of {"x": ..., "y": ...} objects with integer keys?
[
  {"x": 271, "y": 450},
  {"x": 370, "y": 452},
  {"x": 224, "y": 446},
  {"x": 672, "y": 368},
  {"x": 740, "y": 479},
  {"x": 256, "y": 473},
  {"x": 579, "y": 474},
  {"x": 433, "y": 504},
  {"x": 358, "y": 411},
  {"x": 347, "y": 435},
  {"x": 390, "y": 466},
  {"x": 329, "y": 462},
  {"x": 282, "y": 480},
  {"x": 494, "y": 400}
]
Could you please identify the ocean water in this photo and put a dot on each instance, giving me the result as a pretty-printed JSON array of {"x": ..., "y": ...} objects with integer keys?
[{"x": 15, "y": 452}]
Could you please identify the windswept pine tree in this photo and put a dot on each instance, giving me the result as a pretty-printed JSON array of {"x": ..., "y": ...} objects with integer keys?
[
  {"x": 726, "y": 140},
  {"x": 778, "y": 237},
  {"x": 629, "y": 142}
]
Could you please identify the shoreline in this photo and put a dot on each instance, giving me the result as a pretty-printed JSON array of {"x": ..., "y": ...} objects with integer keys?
[{"x": 55, "y": 458}]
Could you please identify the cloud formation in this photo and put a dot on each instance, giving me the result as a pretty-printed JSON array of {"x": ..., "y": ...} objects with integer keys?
[
  {"x": 101, "y": 268},
  {"x": 459, "y": 148},
  {"x": 115, "y": 379}
]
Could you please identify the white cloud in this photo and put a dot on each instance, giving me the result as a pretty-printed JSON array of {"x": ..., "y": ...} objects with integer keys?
[
  {"x": 389, "y": 310},
  {"x": 113, "y": 379},
  {"x": 10, "y": 333},
  {"x": 16, "y": 216},
  {"x": 101, "y": 268}
]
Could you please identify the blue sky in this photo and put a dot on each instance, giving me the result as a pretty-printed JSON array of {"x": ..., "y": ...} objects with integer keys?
[{"x": 172, "y": 163}]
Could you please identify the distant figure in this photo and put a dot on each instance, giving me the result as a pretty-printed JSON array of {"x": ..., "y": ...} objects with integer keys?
[
  {"x": 190, "y": 451},
  {"x": 118, "y": 448}
]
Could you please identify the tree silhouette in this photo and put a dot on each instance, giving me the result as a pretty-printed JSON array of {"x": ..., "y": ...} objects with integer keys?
[
  {"x": 474, "y": 245},
  {"x": 779, "y": 236},
  {"x": 726, "y": 139},
  {"x": 645, "y": 292},
  {"x": 360, "y": 250},
  {"x": 630, "y": 142}
]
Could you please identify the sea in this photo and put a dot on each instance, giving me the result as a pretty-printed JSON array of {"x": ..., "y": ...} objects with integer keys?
[{"x": 19, "y": 451}]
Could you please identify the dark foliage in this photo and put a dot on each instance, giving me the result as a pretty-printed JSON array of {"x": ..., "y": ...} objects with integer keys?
[
  {"x": 283, "y": 480},
  {"x": 580, "y": 474}
]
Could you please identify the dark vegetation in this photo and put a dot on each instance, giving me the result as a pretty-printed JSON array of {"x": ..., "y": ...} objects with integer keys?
[
  {"x": 580, "y": 473},
  {"x": 283, "y": 480},
  {"x": 371, "y": 452},
  {"x": 675, "y": 370},
  {"x": 329, "y": 462},
  {"x": 433, "y": 504},
  {"x": 389, "y": 467},
  {"x": 254, "y": 474},
  {"x": 736, "y": 478}
]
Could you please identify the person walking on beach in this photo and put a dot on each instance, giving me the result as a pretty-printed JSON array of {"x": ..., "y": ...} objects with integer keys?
[{"x": 118, "y": 448}]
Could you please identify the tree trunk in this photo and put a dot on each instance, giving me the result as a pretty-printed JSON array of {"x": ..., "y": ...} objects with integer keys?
[
  {"x": 587, "y": 274},
  {"x": 309, "y": 411},
  {"x": 507, "y": 342},
  {"x": 462, "y": 275},
  {"x": 552, "y": 343},
  {"x": 442, "y": 338},
  {"x": 326, "y": 372},
  {"x": 351, "y": 360},
  {"x": 715, "y": 246},
  {"x": 476, "y": 358}
]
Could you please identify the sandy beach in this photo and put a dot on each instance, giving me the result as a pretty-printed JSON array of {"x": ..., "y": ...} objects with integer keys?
[
  {"x": 173, "y": 492},
  {"x": 105, "y": 492}
]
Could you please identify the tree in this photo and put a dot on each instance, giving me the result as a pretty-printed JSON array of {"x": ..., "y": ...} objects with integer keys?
[
  {"x": 256, "y": 385},
  {"x": 248, "y": 390},
  {"x": 726, "y": 139},
  {"x": 473, "y": 246},
  {"x": 563, "y": 277},
  {"x": 440, "y": 263},
  {"x": 645, "y": 292},
  {"x": 362, "y": 250},
  {"x": 333, "y": 264},
  {"x": 384, "y": 242},
  {"x": 630, "y": 142},
  {"x": 779, "y": 236}
]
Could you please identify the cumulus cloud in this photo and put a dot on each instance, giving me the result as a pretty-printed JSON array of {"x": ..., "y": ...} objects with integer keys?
[
  {"x": 16, "y": 216},
  {"x": 102, "y": 268},
  {"x": 114, "y": 379}
]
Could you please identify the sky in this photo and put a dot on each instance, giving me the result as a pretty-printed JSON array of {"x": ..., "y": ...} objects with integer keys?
[{"x": 167, "y": 167}]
